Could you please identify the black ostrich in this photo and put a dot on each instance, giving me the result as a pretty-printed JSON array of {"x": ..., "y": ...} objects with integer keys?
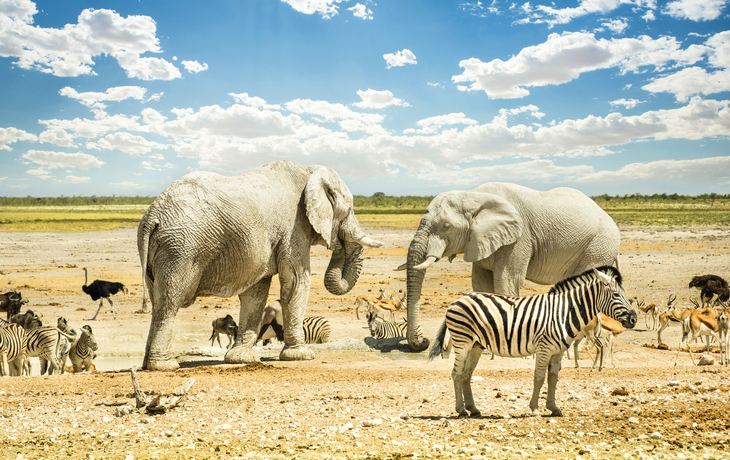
[
  {"x": 102, "y": 290},
  {"x": 710, "y": 286}
]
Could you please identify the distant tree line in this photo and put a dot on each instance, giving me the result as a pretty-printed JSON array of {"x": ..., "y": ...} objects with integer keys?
[{"x": 76, "y": 200}]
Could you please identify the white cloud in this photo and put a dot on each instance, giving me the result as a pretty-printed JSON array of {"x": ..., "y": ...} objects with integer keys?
[
  {"x": 126, "y": 142},
  {"x": 127, "y": 185},
  {"x": 695, "y": 10},
  {"x": 40, "y": 173},
  {"x": 617, "y": 26},
  {"x": 57, "y": 137},
  {"x": 12, "y": 135},
  {"x": 627, "y": 103},
  {"x": 84, "y": 127},
  {"x": 95, "y": 99},
  {"x": 691, "y": 81},
  {"x": 244, "y": 98},
  {"x": 433, "y": 124},
  {"x": 563, "y": 58},
  {"x": 325, "y": 8},
  {"x": 373, "y": 99},
  {"x": 399, "y": 58},
  {"x": 361, "y": 11},
  {"x": 70, "y": 51},
  {"x": 552, "y": 16},
  {"x": 53, "y": 160},
  {"x": 348, "y": 119},
  {"x": 699, "y": 171},
  {"x": 194, "y": 66},
  {"x": 77, "y": 180},
  {"x": 535, "y": 170}
]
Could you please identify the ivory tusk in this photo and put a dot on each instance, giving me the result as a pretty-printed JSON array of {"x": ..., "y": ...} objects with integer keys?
[
  {"x": 369, "y": 242},
  {"x": 427, "y": 263}
]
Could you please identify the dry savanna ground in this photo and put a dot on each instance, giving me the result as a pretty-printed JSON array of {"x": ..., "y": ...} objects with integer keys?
[{"x": 353, "y": 402}]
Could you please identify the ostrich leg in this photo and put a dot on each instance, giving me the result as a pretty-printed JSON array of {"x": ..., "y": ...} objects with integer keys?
[
  {"x": 114, "y": 312},
  {"x": 101, "y": 302}
]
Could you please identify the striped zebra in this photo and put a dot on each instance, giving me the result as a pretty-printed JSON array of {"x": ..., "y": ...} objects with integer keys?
[
  {"x": 44, "y": 342},
  {"x": 544, "y": 324},
  {"x": 381, "y": 329},
  {"x": 82, "y": 350},
  {"x": 11, "y": 347},
  {"x": 316, "y": 329}
]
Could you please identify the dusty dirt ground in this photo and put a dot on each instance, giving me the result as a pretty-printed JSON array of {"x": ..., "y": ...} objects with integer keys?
[{"x": 348, "y": 403}]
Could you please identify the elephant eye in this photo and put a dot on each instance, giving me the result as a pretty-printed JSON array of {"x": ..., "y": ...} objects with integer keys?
[{"x": 447, "y": 226}]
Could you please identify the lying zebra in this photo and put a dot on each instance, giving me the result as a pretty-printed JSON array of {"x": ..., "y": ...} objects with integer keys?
[
  {"x": 316, "y": 328},
  {"x": 544, "y": 324},
  {"x": 381, "y": 329}
]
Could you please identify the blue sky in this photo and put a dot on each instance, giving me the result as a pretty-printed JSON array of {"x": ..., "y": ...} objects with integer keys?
[{"x": 403, "y": 97}]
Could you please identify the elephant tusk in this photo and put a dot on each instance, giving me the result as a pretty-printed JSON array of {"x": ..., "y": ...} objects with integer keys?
[
  {"x": 401, "y": 267},
  {"x": 369, "y": 242},
  {"x": 427, "y": 263}
]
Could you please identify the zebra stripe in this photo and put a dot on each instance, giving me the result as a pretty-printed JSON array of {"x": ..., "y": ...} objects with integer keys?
[
  {"x": 381, "y": 329},
  {"x": 44, "y": 342},
  {"x": 316, "y": 329},
  {"x": 82, "y": 350},
  {"x": 543, "y": 324},
  {"x": 11, "y": 346}
]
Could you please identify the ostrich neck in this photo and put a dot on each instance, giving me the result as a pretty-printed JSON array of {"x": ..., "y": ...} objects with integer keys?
[{"x": 86, "y": 277}]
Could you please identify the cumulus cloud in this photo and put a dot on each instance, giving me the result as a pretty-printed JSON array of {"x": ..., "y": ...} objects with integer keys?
[
  {"x": 93, "y": 128},
  {"x": 126, "y": 142},
  {"x": 563, "y": 58},
  {"x": 695, "y": 10},
  {"x": 12, "y": 135},
  {"x": 57, "y": 137},
  {"x": 373, "y": 99},
  {"x": 433, "y": 124},
  {"x": 348, "y": 119},
  {"x": 542, "y": 14},
  {"x": 535, "y": 169},
  {"x": 71, "y": 50},
  {"x": 399, "y": 58},
  {"x": 626, "y": 103},
  {"x": 325, "y": 8},
  {"x": 97, "y": 99},
  {"x": 53, "y": 160},
  {"x": 194, "y": 66},
  {"x": 617, "y": 26},
  {"x": 361, "y": 11},
  {"x": 702, "y": 170},
  {"x": 77, "y": 180}
]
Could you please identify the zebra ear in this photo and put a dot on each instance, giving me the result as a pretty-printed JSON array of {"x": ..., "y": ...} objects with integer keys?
[
  {"x": 604, "y": 278},
  {"x": 494, "y": 223}
]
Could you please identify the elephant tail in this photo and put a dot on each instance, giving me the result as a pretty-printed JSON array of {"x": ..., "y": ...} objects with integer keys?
[
  {"x": 146, "y": 228},
  {"x": 437, "y": 343}
]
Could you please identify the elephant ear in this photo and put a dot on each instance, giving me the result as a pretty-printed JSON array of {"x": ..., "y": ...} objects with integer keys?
[
  {"x": 318, "y": 198},
  {"x": 496, "y": 223}
]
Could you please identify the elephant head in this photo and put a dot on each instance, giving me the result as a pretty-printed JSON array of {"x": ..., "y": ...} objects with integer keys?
[
  {"x": 473, "y": 223},
  {"x": 330, "y": 210}
]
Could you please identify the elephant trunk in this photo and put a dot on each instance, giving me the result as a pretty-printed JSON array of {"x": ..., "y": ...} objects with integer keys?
[
  {"x": 414, "y": 282},
  {"x": 344, "y": 267}
]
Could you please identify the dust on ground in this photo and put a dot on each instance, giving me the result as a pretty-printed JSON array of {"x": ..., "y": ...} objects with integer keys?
[{"x": 350, "y": 402}]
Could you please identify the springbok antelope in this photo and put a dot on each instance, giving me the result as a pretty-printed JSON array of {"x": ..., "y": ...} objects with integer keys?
[
  {"x": 650, "y": 314},
  {"x": 390, "y": 304},
  {"x": 673, "y": 317},
  {"x": 364, "y": 299},
  {"x": 600, "y": 327},
  {"x": 697, "y": 325}
]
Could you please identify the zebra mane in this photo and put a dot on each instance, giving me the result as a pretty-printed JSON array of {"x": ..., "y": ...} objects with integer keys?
[{"x": 586, "y": 277}]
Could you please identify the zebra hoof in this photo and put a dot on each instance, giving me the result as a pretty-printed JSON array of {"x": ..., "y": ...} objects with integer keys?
[
  {"x": 296, "y": 353},
  {"x": 241, "y": 355},
  {"x": 160, "y": 365}
]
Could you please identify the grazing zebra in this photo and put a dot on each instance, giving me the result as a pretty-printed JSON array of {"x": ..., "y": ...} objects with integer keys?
[
  {"x": 82, "y": 350},
  {"x": 381, "y": 329},
  {"x": 43, "y": 342},
  {"x": 316, "y": 329},
  {"x": 544, "y": 324},
  {"x": 11, "y": 347}
]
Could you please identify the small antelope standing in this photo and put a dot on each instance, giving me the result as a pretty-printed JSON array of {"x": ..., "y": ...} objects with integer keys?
[
  {"x": 651, "y": 314},
  {"x": 599, "y": 328},
  {"x": 225, "y": 326},
  {"x": 697, "y": 325},
  {"x": 672, "y": 317}
]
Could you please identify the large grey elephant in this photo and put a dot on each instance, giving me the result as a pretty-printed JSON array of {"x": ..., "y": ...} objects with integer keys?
[
  {"x": 208, "y": 234},
  {"x": 509, "y": 233}
]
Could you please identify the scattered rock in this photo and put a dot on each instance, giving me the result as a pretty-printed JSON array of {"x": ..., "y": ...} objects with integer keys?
[
  {"x": 620, "y": 392},
  {"x": 706, "y": 360}
]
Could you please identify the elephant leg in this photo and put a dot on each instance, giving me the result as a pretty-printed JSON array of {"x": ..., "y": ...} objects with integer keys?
[
  {"x": 168, "y": 300},
  {"x": 295, "y": 284},
  {"x": 253, "y": 302},
  {"x": 553, "y": 369},
  {"x": 542, "y": 360},
  {"x": 482, "y": 280}
]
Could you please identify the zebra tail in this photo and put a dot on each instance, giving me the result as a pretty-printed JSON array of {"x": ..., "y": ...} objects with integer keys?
[{"x": 437, "y": 343}]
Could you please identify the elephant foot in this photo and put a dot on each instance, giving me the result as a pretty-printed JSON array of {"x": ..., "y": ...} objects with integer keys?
[
  {"x": 419, "y": 345},
  {"x": 241, "y": 355},
  {"x": 296, "y": 353},
  {"x": 157, "y": 365}
]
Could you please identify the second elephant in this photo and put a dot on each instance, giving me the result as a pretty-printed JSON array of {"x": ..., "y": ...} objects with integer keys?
[{"x": 509, "y": 233}]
